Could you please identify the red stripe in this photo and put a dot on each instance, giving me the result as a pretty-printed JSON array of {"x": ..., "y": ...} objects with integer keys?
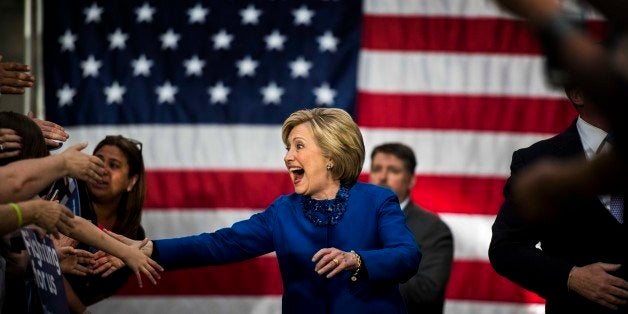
[
  {"x": 255, "y": 277},
  {"x": 454, "y": 34},
  {"x": 464, "y": 195},
  {"x": 474, "y": 113},
  {"x": 256, "y": 190},
  {"x": 260, "y": 276},
  {"x": 479, "y": 281}
]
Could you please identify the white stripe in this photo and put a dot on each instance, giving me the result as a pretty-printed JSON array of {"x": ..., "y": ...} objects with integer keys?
[
  {"x": 259, "y": 148},
  {"x": 271, "y": 305},
  {"x": 472, "y": 233},
  {"x": 457, "y": 307},
  {"x": 173, "y": 223},
  {"x": 453, "y": 73},
  {"x": 455, "y": 152},
  {"x": 188, "y": 304},
  {"x": 460, "y": 8}
]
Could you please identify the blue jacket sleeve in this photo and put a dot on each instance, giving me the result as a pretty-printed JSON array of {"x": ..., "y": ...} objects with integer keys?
[
  {"x": 245, "y": 239},
  {"x": 399, "y": 258}
]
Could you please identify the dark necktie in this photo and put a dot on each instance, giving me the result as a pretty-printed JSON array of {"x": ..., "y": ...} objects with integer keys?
[
  {"x": 617, "y": 201},
  {"x": 617, "y": 207}
]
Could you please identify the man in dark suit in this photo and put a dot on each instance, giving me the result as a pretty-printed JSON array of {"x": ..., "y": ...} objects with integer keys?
[
  {"x": 392, "y": 166},
  {"x": 575, "y": 257}
]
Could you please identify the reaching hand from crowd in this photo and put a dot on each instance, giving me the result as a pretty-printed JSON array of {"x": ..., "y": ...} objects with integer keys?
[
  {"x": 14, "y": 77},
  {"x": 106, "y": 264},
  {"x": 331, "y": 261},
  {"x": 51, "y": 216},
  {"x": 54, "y": 134},
  {"x": 137, "y": 258},
  {"x": 83, "y": 166},
  {"x": 596, "y": 284},
  {"x": 74, "y": 261},
  {"x": 10, "y": 143}
]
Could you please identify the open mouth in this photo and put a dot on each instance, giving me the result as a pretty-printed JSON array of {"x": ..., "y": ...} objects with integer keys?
[{"x": 297, "y": 174}]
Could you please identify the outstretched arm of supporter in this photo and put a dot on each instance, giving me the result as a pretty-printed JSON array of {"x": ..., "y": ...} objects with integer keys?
[
  {"x": 84, "y": 231},
  {"x": 23, "y": 179},
  {"x": 51, "y": 216}
]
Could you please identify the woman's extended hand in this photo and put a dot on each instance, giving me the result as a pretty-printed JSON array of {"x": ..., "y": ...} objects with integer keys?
[
  {"x": 137, "y": 259},
  {"x": 331, "y": 261}
]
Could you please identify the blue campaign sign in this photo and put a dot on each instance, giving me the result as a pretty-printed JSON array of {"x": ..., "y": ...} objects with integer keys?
[{"x": 47, "y": 272}]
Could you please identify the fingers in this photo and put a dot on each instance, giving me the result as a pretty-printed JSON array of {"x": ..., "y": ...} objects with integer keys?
[
  {"x": 104, "y": 267},
  {"x": 331, "y": 261},
  {"x": 320, "y": 253},
  {"x": 139, "y": 278},
  {"x": 10, "y": 139},
  {"x": 8, "y": 154},
  {"x": 52, "y": 131},
  {"x": 13, "y": 66},
  {"x": 80, "y": 270},
  {"x": 66, "y": 250},
  {"x": 156, "y": 266},
  {"x": 84, "y": 256},
  {"x": 609, "y": 267},
  {"x": 17, "y": 74},
  {"x": 109, "y": 272},
  {"x": 327, "y": 258},
  {"x": 148, "y": 272},
  {"x": 91, "y": 176},
  {"x": 79, "y": 147},
  {"x": 144, "y": 242},
  {"x": 67, "y": 214},
  {"x": 17, "y": 79},
  {"x": 11, "y": 90}
]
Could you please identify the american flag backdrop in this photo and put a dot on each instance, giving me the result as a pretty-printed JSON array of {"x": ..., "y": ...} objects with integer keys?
[{"x": 205, "y": 86}]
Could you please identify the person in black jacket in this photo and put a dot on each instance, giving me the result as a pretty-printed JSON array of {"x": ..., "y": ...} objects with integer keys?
[{"x": 575, "y": 255}]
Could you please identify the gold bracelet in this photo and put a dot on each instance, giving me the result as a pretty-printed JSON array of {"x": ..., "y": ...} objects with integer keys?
[
  {"x": 354, "y": 277},
  {"x": 18, "y": 213}
]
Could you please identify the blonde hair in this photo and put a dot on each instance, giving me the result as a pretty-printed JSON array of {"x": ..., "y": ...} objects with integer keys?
[{"x": 337, "y": 135}]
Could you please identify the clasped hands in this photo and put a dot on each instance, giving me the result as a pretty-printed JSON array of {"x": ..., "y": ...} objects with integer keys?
[{"x": 137, "y": 258}]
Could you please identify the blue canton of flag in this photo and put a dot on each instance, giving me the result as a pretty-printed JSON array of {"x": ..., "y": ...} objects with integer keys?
[{"x": 194, "y": 62}]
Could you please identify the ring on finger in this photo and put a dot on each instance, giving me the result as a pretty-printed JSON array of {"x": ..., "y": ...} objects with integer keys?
[
  {"x": 1, "y": 148},
  {"x": 335, "y": 260}
]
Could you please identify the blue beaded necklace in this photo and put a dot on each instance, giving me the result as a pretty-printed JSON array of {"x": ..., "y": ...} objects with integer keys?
[{"x": 326, "y": 212}]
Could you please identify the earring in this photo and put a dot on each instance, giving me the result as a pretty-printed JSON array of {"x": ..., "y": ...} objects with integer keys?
[{"x": 329, "y": 166}]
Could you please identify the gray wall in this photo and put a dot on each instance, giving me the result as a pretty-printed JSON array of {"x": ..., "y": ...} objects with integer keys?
[{"x": 12, "y": 45}]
